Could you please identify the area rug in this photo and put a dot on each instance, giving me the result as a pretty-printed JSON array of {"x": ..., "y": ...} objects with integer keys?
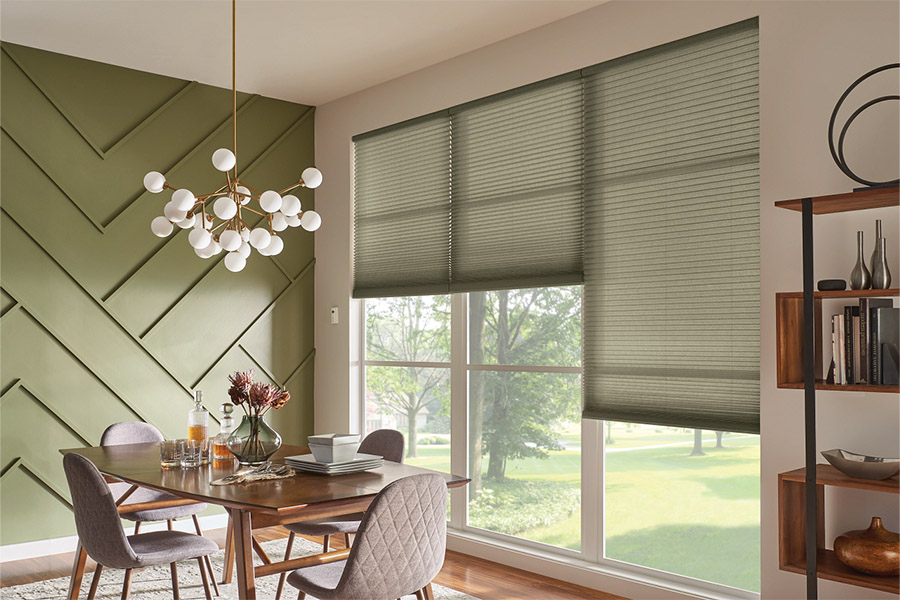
[{"x": 155, "y": 583}]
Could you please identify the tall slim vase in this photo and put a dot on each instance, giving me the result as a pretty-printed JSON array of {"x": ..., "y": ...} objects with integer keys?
[
  {"x": 860, "y": 278},
  {"x": 881, "y": 274}
]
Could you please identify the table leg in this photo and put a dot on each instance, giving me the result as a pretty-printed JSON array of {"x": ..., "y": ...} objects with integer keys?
[
  {"x": 228, "y": 567},
  {"x": 243, "y": 548},
  {"x": 77, "y": 573}
]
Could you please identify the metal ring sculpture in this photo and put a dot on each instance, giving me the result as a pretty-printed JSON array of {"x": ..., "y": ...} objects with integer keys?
[{"x": 838, "y": 154}]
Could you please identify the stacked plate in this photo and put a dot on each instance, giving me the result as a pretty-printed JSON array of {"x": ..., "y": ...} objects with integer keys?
[{"x": 361, "y": 462}]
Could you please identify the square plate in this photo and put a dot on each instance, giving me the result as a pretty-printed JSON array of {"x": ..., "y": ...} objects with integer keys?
[{"x": 309, "y": 459}]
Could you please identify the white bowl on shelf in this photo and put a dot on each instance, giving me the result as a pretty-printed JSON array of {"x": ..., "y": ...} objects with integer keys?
[{"x": 331, "y": 454}]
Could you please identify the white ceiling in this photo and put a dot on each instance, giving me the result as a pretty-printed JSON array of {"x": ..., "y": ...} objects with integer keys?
[{"x": 304, "y": 51}]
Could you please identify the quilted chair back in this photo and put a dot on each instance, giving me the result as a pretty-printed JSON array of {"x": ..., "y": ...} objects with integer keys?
[
  {"x": 384, "y": 442},
  {"x": 96, "y": 517},
  {"x": 130, "y": 432},
  {"x": 401, "y": 541}
]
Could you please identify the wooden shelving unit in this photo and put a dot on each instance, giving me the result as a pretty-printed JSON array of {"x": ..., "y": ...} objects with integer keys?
[
  {"x": 801, "y": 493},
  {"x": 789, "y": 338},
  {"x": 792, "y": 516}
]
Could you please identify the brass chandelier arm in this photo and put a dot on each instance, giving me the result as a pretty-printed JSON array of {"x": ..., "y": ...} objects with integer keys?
[
  {"x": 293, "y": 187},
  {"x": 234, "y": 83}
]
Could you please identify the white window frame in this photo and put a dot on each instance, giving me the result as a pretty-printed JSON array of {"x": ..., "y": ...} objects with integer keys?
[{"x": 591, "y": 554}]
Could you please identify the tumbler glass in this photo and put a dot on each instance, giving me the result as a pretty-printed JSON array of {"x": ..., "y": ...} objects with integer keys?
[
  {"x": 190, "y": 453},
  {"x": 169, "y": 456}
]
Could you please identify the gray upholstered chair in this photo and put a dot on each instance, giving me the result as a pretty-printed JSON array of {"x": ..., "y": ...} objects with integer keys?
[
  {"x": 101, "y": 535},
  {"x": 398, "y": 550},
  {"x": 387, "y": 443},
  {"x": 137, "y": 432}
]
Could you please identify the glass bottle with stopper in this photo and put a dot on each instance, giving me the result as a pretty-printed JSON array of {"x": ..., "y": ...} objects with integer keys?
[
  {"x": 226, "y": 426},
  {"x": 198, "y": 419}
]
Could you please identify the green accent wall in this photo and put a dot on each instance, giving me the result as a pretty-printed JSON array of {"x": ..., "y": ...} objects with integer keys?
[{"x": 101, "y": 320}]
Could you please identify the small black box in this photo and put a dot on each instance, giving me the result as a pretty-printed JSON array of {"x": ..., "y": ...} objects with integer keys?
[{"x": 831, "y": 285}]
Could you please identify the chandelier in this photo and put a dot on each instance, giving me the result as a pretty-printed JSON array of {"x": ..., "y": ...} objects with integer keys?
[{"x": 231, "y": 203}]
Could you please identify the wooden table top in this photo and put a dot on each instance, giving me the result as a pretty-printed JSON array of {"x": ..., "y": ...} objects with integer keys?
[{"x": 139, "y": 464}]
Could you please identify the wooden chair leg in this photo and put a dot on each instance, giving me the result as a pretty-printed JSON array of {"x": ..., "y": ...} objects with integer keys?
[
  {"x": 420, "y": 595},
  {"x": 95, "y": 581},
  {"x": 346, "y": 540},
  {"x": 203, "y": 578},
  {"x": 137, "y": 527},
  {"x": 176, "y": 595},
  {"x": 428, "y": 592},
  {"x": 77, "y": 572},
  {"x": 169, "y": 524},
  {"x": 228, "y": 569},
  {"x": 287, "y": 555},
  {"x": 325, "y": 543},
  {"x": 206, "y": 560},
  {"x": 301, "y": 595},
  {"x": 126, "y": 587}
]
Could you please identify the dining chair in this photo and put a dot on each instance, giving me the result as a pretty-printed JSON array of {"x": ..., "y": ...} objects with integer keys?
[
  {"x": 387, "y": 443},
  {"x": 102, "y": 537},
  {"x": 138, "y": 432},
  {"x": 398, "y": 550}
]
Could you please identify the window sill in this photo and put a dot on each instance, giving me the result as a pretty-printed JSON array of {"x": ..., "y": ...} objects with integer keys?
[{"x": 614, "y": 577}]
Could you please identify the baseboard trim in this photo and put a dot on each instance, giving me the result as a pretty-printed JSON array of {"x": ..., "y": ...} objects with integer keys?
[{"x": 62, "y": 545}]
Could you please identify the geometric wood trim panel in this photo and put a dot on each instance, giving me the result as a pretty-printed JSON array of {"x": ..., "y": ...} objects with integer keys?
[{"x": 102, "y": 321}]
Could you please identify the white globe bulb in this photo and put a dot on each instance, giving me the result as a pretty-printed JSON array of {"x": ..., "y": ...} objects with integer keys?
[
  {"x": 244, "y": 250},
  {"x": 215, "y": 247},
  {"x": 245, "y": 197},
  {"x": 270, "y": 201},
  {"x": 161, "y": 226},
  {"x": 199, "y": 238},
  {"x": 204, "y": 252},
  {"x": 234, "y": 262},
  {"x": 259, "y": 238},
  {"x": 311, "y": 220},
  {"x": 223, "y": 159},
  {"x": 293, "y": 221},
  {"x": 154, "y": 182},
  {"x": 173, "y": 214},
  {"x": 183, "y": 199},
  {"x": 278, "y": 222},
  {"x": 312, "y": 177},
  {"x": 275, "y": 246},
  {"x": 200, "y": 221},
  {"x": 187, "y": 222},
  {"x": 225, "y": 208},
  {"x": 263, "y": 251},
  {"x": 290, "y": 205},
  {"x": 245, "y": 234},
  {"x": 230, "y": 240}
]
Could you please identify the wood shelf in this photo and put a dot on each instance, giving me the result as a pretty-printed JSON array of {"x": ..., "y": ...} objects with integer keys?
[
  {"x": 791, "y": 526},
  {"x": 836, "y": 203},
  {"x": 888, "y": 293},
  {"x": 829, "y": 567},
  {"x": 821, "y": 385}
]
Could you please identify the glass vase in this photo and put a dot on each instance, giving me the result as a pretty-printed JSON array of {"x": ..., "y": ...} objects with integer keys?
[{"x": 253, "y": 442}]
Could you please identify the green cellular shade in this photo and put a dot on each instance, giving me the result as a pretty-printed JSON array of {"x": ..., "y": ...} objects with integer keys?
[
  {"x": 402, "y": 210},
  {"x": 672, "y": 234},
  {"x": 517, "y": 193}
]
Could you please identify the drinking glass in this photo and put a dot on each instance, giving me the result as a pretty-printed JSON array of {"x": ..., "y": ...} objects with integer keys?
[
  {"x": 169, "y": 456},
  {"x": 205, "y": 450},
  {"x": 190, "y": 453}
]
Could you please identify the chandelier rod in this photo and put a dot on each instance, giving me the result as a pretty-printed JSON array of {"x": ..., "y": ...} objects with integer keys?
[{"x": 234, "y": 82}]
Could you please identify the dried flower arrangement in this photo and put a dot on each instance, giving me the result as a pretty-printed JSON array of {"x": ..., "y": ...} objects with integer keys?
[{"x": 255, "y": 399}]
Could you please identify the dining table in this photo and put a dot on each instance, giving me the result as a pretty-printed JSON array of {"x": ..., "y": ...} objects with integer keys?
[{"x": 250, "y": 505}]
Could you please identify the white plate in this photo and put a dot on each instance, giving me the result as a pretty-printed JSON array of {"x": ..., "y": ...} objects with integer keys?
[
  {"x": 310, "y": 459},
  {"x": 311, "y": 467}
]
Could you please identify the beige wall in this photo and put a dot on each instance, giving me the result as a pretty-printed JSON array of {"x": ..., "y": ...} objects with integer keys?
[{"x": 809, "y": 52}]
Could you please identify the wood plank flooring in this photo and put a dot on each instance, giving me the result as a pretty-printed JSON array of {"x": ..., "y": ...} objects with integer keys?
[{"x": 481, "y": 578}]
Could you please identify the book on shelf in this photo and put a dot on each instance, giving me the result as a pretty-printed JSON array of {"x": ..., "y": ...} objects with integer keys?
[
  {"x": 886, "y": 327},
  {"x": 864, "y": 343}
]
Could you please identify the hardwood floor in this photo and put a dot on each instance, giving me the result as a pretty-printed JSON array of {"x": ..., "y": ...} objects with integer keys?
[{"x": 481, "y": 578}]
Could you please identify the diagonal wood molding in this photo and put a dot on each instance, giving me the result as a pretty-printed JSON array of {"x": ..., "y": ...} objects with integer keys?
[{"x": 100, "y": 318}]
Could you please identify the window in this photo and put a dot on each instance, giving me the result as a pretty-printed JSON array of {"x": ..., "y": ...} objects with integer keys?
[{"x": 525, "y": 414}]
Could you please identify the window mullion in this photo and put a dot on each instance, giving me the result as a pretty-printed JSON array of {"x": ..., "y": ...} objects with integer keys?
[{"x": 459, "y": 413}]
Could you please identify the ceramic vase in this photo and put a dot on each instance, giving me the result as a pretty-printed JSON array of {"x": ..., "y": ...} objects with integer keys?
[
  {"x": 860, "y": 278},
  {"x": 875, "y": 550},
  {"x": 881, "y": 275}
]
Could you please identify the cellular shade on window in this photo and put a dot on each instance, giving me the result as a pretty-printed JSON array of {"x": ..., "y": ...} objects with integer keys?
[
  {"x": 672, "y": 234},
  {"x": 517, "y": 193},
  {"x": 402, "y": 210}
]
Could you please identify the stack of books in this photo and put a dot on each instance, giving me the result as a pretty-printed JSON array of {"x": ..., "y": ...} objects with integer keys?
[
  {"x": 865, "y": 344},
  {"x": 361, "y": 462}
]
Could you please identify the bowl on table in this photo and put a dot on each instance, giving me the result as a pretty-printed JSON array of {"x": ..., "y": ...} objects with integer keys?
[
  {"x": 334, "y": 447},
  {"x": 862, "y": 466}
]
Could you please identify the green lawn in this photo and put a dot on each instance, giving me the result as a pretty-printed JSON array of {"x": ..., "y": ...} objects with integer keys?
[{"x": 692, "y": 515}]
